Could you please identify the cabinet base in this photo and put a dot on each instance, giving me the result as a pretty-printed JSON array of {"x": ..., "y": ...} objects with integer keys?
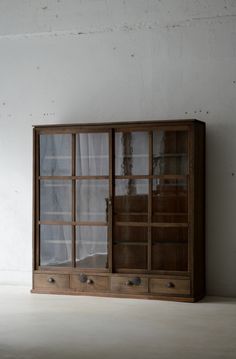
[{"x": 119, "y": 295}]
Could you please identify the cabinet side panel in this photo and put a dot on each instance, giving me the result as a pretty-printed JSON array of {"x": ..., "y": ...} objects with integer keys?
[{"x": 199, "y": 212}]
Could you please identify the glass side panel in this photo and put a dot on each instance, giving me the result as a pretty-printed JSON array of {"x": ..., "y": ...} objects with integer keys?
[
  {"x": 131, "y": 153},
  {"x": 169, "y": 201},
  {"x": 131, "y": 200},
  {"x": 170, "y": 249},
  {"x": 55, "y": 155},
  {"x": 92, "y": 154},
  {"x": 91, "y": 247},
  {"x": 55, "y": 200},
  {"x": 92, "y": 200},
  {"x": 170, "y": 152},
  {"x": 55, "y": 245}
]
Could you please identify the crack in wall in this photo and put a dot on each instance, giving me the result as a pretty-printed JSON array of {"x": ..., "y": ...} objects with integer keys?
[{"x": 123, "y": 28}]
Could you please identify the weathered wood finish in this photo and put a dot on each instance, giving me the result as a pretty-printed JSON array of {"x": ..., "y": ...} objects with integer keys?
[
  {"x": 96, "y": 283},
  {"x": 52, "y": 281},
  {"x": 182, "y": 278},
  {"x": 170, "y": 286},
  {"x": 121, "y": 285}
]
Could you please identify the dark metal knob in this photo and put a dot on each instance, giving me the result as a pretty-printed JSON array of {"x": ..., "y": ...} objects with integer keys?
[
  {"x": 51, "y": 280},
  {"x": 83, "y": 278},
  {"x": 170, "y": 285},
  {"x": 89, "y": 281},
  {"x": 136, "y": 281}
]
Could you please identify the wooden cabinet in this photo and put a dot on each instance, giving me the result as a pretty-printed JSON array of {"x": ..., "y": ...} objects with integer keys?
[{"x": 119, "y": 209}]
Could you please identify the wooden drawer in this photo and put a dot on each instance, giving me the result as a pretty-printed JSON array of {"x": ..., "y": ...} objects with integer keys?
[
  {"x": 92, "y": 283},
  {"x": 51, "y": 281},
  {"x": 126, "y": 284},
  {"x": 169, "y": 286}
]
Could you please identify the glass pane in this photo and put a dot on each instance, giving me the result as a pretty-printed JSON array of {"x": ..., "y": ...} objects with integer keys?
[
  {"x": 91, "y": 247},
  {"x": 170, "y": 149},
  {"x": 172, "y": 234},
  {"x": 131, "y": 200},
  {"x": 167, "y": 256},
  {"x": 170, "y": 249},
  {"x": 131, "y": 153},
  {"x": 55, "y": 155},
  {"x": 55, "y": 200},
  {"x": 129, "y": 256},
  {"x": 92, "y": 200},
  {"x": 55, "y": 245},
  {"x": 92, "y": 151},
  {"x": 170, "y": 201},
  {"x": 130, "y": 235}
]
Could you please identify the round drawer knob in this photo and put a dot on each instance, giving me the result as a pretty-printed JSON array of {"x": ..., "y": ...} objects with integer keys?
[
  {"x": 89, "y": 281},
  {"x": 170, "y": 285},
  {"x": 134, "y": 281},
  {"x": 51, "y": 280},
  {"x": 83, "y": 278}
]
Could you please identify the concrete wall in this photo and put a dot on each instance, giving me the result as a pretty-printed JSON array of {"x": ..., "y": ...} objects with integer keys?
[{"x": 64, "y": 61}]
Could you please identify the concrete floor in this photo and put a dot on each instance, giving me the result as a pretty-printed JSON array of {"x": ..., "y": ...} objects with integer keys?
[{"x": 43, "y": 326}]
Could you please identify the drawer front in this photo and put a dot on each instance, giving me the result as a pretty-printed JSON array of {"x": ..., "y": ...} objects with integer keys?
[
  {"x": 169, "y": 286},
  {"x": 90, "y": 283},
  {"x": 51, "y": 281},
  {"x": 129, "y": 284}
]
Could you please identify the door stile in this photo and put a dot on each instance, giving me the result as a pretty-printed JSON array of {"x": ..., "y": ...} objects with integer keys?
[
  {"x": 110, "y": 200},
  {"x": 73, "y": 247},
  {"x": 150, "y": 172}
]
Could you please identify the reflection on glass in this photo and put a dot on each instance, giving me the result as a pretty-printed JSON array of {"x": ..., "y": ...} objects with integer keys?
[
  {"x": 91, "y": 247},
  {"x": 55, "y": 245},
  {"x": 55, "y": 155},
  {"x": 131, "y": 200},
  {"x": 92, "y": 151},
  {"x": 92, "y": 200},
  {"x": 170, "y": 150},
  {"x": 131, "y": 153},
  {"x": 55, "y": 200},
  {"x": 169, "y": 201}
]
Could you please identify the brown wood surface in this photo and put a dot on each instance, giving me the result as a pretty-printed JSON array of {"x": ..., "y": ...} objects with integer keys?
[
  {"x": 98, "y": 283},
  {"x": 60, "y": 281},
  {"x": 120, "y": 284},
  {"x": 177, "y": 286}
]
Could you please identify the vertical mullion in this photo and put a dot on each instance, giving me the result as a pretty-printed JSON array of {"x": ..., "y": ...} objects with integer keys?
[
  {"x": 73, "y": 199},
  {"x": 37, "y": 198},
  {"x": 150, "y": 171},
  {"x": 110, "y": 200}
]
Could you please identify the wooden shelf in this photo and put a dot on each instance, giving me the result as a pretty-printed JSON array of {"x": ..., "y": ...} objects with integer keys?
[
  {"x": 125, "y": 243},
  {"x": 170, "y": 155}
]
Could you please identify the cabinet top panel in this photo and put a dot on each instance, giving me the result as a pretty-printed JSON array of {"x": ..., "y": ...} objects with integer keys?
[{"x": 118, "y": 125}]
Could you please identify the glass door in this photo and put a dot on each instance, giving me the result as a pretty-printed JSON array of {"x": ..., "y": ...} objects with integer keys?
[
  {"x": 170, "y": 201},
  {"x": 92, "y": 200},
  {"x": 55, "y": 200},
  {"x": 74, "y": 192},
  {"x": 130, "y": 224}
]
